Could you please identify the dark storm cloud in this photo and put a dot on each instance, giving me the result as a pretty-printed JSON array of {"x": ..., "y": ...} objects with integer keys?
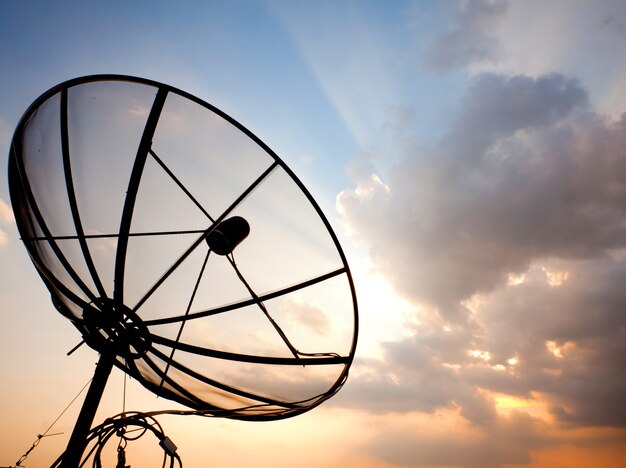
[{"x": 469, "y": 39}]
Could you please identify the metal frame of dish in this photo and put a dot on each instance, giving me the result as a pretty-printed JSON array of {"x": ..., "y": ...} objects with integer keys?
[{"x": 112, "y": 328}]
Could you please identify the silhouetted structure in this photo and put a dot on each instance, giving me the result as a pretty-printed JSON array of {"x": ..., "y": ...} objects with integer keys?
[{"x": 122, "y": 188}]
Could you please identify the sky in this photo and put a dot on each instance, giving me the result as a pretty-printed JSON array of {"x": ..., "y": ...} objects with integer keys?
[{"x": 470, "y": 156}]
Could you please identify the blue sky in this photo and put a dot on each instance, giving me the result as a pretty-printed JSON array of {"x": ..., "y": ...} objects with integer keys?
[
  {"x": 230, "y": 55},
  {"x": 340, "y": 71},
  {"x": 470, "y": 155}
]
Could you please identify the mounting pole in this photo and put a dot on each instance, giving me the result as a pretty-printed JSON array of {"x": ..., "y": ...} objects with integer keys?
[{"x": 78, "y": 440}]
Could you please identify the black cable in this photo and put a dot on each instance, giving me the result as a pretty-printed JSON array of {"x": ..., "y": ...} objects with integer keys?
[{"x": 119, "y": 426}]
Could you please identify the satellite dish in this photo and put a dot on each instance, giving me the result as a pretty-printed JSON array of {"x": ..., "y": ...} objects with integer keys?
[{"x": 183, "y": 249}]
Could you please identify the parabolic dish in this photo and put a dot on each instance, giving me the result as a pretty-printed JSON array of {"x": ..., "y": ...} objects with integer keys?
[{"x": 123, "y": 189}]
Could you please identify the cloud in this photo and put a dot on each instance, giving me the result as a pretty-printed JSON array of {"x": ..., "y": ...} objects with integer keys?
[
  {"x": 307, "y": 315},
  {"x": 534, "y": 37},
  {"x": 509, "y": 440},
  {"x": 528, "y": 184},
  {"x": 6, "y": 217},
  {"x": 614, "y": 24},
  {"x": 570, "y": 341},
  {"x": 526, "y": 171},
  {"x": 433, "y": 371},
  {"x": 470, "y": 39},
  {"x": 6, "y": 214}
]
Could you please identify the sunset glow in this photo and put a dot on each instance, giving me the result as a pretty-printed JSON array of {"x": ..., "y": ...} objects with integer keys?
[{"x": 469, "y": 156}]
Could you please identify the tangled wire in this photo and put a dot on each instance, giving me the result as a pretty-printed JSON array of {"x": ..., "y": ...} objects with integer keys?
[{"x": 128, "y": 427}]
